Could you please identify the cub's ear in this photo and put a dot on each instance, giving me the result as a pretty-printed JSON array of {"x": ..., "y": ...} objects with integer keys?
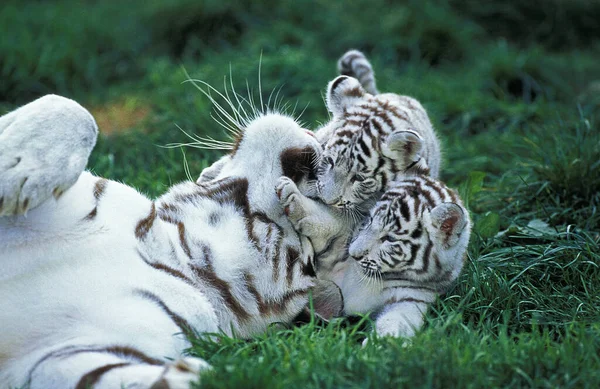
[
  {"x": 211, "y": 172},
  {"x": 298, "y": 163},
  {"x": 449, "y": 220},
  {"x": 328, "y": 301},
  {"x": 342, "y": 92},
  {"x": 405, "y": 145}
]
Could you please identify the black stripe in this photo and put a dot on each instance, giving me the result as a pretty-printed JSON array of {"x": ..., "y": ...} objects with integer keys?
[
  {"x": 166, "y": 269},
  {"x": 183, "y": 325},
  {"x": 404, "y": 211},
  {"x": 418, "y": 232},
  {"x": 100, "y": 187},
  {"x": 337, "y": 82},
  {"x": 414, "y": 249},
  {"x": 364, "y": 147},
  {"x": 71, "y": 350},
  {"x": 394, "y": 300},
  {"x": 412, "y": 164},
  {"x": 426, "y": 258},
  {"x": 361, "y": 159},
  {"x": 91, "y": 378}
]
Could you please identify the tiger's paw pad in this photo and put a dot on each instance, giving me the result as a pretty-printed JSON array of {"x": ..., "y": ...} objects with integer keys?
[
  {"x": 181, "y": 373},
  {"x": 290, "y": 199},
  {"x": 25, "y": 184}
]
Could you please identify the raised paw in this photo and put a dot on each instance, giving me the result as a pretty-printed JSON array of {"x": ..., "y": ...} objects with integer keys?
[
  {"x": 44, "y": 147},
  {"x": 181, "y": 373},
  {"x": 290, "y": 199},
  {"x": 26, "y": 182}
]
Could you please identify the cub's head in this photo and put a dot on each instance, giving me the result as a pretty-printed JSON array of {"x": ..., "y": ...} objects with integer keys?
[
  {"x": 417, "y": 234},
  {"x": 369, "y": 141}
]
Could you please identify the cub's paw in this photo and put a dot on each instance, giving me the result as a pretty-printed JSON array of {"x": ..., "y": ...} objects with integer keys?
[
  {"x": 290, "y": 199},
  {"x": 26, "y": 182},
  {"x": 181, "y": 373}
]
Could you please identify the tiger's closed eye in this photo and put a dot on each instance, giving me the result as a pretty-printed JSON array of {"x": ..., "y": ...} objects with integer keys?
[{"x": 386, "y": 238}]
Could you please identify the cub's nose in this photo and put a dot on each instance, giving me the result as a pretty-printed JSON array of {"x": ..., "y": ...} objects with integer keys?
[
  {"x": 341, "y": 203},
  {"x": 357, "y": 252}
]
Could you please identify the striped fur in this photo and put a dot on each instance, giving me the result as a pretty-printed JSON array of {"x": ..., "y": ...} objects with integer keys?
[
  {"x": 99, "y": 286},
  {"x": 354, "y": 64},
  {"x": 371, "y": 139},
  {"x": 409, "y": 249}
]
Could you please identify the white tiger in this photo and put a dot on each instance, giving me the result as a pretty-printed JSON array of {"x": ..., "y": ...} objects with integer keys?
[
  {"x": 416, "y": 237},
  {"x": 371, "y": 139},
  {"x": 99, "y": 284},
  {"x": 410, "y": 248}
]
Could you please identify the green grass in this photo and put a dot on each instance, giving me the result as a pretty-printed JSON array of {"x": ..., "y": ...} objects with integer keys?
[{"x": 513, "y": 89}]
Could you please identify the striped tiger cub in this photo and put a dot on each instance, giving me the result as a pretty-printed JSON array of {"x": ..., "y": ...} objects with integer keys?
[
  {"x": 371, "y": 139},
  {"x": 409, "y": 249},
  {"x": 99, "y": 284}
]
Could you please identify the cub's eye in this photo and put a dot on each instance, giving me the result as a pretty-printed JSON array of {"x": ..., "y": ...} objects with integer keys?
[
  {"x": 328, "y": 162},
  {"x": 386, "y": 238},
  {"x": 358, "y": 178},
  {"x": 367, "y": 222}
]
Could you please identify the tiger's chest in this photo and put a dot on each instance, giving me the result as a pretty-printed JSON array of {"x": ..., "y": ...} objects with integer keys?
[{"x": 71, "y": 268}]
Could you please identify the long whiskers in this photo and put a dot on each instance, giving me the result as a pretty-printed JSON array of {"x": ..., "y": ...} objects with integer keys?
[
  {"x": 201, "y": 142},
  {"x": 232, "y": 111}
]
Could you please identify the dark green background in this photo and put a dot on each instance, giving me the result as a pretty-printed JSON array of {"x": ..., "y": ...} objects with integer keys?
[{"x": 512, "y": 87}]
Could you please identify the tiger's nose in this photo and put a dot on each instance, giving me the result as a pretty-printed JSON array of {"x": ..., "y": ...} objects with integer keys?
[
  {"x": 341, "y": 203},
  {"x": 357, "y": 252},
  {"x": 334, "y": 202}
]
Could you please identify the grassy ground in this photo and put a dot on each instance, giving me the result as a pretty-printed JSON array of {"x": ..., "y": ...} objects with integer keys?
[{"x": 513, "y": 89}]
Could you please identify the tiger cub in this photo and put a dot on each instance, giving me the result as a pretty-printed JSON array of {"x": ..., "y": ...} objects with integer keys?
[
  {"x": 99, "y": 284},
  {"x": 371, "y": 139},
  {"x": 409, "y": 249}
]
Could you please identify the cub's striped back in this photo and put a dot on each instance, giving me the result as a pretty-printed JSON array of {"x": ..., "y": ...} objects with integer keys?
[{"x": 371, "y": 139}]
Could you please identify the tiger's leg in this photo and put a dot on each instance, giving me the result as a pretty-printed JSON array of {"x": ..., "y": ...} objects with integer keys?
[
  {"x": 111, "y": 367},
  {"x": 310, "y": 218},
  {"x": 401, "y": 318},
  {"x": 44, "y": 147}
]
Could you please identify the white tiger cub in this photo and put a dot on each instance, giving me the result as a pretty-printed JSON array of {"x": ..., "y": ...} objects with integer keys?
[
  {"x": 409, "y": 250},
  {"x": 99, "y": 284},
  {"x": 371, "y": 139}
]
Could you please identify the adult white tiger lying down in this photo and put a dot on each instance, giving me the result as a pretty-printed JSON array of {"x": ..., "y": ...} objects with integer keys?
[{"x": 99, "y": 283}]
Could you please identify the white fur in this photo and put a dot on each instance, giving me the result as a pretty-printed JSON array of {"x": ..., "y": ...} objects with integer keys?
[
  {"x": 394, "y": 128},
  {"x": 399, "y": 305},
  {"x": 52, "y": 160},
  {"x": 71, "y": 269}
]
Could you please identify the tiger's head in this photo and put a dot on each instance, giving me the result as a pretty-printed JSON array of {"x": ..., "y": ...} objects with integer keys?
[
  {"x": 417, "y": 234},
  {"x": 368, "y": 142}
]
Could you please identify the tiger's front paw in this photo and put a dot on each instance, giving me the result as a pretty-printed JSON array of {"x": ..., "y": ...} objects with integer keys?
[
  {"x": 44, "y": 147},
  {"x": 290, "y": 199},
  {"x": 26, "y": 182},
  {"x": 181, "y": 373}
]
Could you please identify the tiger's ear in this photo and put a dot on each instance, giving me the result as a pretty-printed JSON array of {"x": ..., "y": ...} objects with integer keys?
[
  {"x": 211, "y": 172},
  {"x": 342, "y": 92},
  {"x": 405, "y": 145},
  {"x": 328, "y": 301},
  {"x": 449, "y": 221},
  {"x": 298, "y": 163}
]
